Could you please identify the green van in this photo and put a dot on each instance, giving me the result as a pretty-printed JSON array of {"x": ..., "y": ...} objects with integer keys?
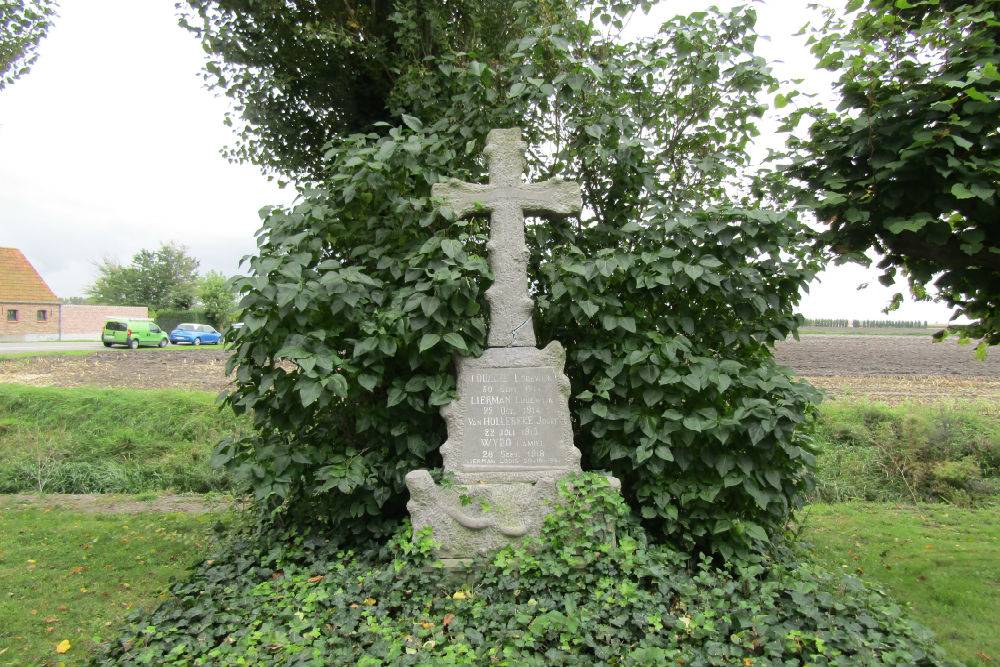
[{"x": 133, "y": 332}]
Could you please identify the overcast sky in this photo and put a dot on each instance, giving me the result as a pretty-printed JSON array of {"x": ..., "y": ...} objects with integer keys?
[{"x": 111, "y": 145}]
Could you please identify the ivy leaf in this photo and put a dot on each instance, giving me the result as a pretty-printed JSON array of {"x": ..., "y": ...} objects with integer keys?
[
  {"x": 427, "y": 341},
  {"x": 309, "y": 391},
  {"x": 338, "y": 383},
  {"x": 456, "y": 341},
  {"x": 413, "y": 122},
  {"x": 368, "y": 381},
  {"x": 960, "y": 191},
  {"x": 755, "y": 531}
]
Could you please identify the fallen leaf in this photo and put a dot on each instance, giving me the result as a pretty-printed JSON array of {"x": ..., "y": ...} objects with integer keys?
[
  {"x": 459, "y": 595},
  {"x": 448, "y": 618},
  {"x": 369, "y": 601},
  {"x": 313, "y": 580},
  {"x": 63, "y": 646}
]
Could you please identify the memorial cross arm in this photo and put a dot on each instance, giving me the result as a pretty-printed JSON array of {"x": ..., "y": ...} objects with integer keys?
[{"x": 508, "y": 200}]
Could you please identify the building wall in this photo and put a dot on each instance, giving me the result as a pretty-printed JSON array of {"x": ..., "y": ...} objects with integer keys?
[
  {"x": 27, "y": 327},
  {"x": 87, "y": 322}
]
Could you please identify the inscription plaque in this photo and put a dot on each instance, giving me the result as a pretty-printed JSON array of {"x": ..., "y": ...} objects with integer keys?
[{"x": 512, "y": 420}]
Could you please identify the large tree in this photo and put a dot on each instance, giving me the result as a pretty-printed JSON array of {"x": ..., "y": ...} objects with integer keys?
[
  {"x": 23, "y": 24},
  {"x": 159, "y": 279},
  {"x": 666, "y": 296},
  {"x": 307, "y": 71},
  {"x": 909, "y": 164}
]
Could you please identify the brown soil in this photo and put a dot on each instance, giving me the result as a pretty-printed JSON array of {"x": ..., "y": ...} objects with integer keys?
[
  {"x": 849, "y": 354},
  {"x": 834, "y": 356},
  {"x": 201, "y": 369}
]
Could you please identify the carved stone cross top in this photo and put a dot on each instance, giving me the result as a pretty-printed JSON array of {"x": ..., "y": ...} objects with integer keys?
[{"x": 509, "y": 200}]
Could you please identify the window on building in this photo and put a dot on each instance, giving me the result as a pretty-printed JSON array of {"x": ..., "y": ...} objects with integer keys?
[
  {"x": 43, "y": 316},
  {"x": 12, "y": 315}
]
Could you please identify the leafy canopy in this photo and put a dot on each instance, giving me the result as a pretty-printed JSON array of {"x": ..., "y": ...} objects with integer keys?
[
  {"x": 306, "y": 72},
  {"x": 216, "y": 296},
  {"x": 23, "y": 24},
  {"x": 909, "y": 164},
  {"x": 665, "y": 296},
  {"x": 159, "y": 279}
]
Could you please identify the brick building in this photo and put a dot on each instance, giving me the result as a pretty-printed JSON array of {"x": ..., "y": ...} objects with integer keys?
[{"x": 29, "y": 310}]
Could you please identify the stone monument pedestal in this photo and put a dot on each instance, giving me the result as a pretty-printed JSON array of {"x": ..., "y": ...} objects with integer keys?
[{"x": 509, "y": 441}]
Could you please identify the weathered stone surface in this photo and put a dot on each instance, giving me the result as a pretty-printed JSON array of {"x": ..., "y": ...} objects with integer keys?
[
  {"x": 509, "y": 433},
  {"x": 509, "y": 441},
  {"x": 509, "y": 200}
]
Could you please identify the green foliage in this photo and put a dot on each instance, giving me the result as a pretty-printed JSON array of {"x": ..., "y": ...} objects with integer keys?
[
  {"x": 76, "y": 575},
  {"x": 830, "y": 323},
  {"x": 216, "y": 296},
  {"x": 665, "y": 298},
  {"x": 168, "y": 319},
  {"x": 826, "y": 322},
  {"x": 888, "y": 324},
  {"x": 931, "y": 559},
  {"x": 23, "y": 24},
  {"x": 110, "y": 441},
  {"x": 161, "y": 279},
  {"x": 907, "y": 454},
  {"x": 301, "y": 77},
  {"x": 909, "y": 164},
  {"x": 574, "y": 597}
]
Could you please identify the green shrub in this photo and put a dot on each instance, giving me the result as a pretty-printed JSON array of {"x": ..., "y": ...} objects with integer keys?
[
  {"x": 169, "y": 319},
  {"x": 573, "y": 597},
  {"x": 665, "y": 299},
  {"x": 906, "y": 453}
]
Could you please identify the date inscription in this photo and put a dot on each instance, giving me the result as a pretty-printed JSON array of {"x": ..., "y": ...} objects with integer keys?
[{"x": 514, "y": 419}]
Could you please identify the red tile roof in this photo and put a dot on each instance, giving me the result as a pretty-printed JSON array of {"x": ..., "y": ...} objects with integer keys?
[{"x": 20, "y": 282}]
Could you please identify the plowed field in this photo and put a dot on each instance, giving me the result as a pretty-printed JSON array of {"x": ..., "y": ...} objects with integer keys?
[{"x": 886, "y": 368}]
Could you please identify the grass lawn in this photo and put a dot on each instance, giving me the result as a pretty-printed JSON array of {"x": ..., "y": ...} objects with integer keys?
[
  {"x": 47, "y": 353},
  {"x": 69, "y": 576},
  {"x": 940, "y": 561}
]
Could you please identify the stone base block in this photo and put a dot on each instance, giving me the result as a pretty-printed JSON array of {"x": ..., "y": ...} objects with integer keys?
[{"x": 474, "y": 519}]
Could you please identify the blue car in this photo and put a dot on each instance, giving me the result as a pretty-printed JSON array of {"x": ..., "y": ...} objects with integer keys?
[{"x": 196, "y": 334}]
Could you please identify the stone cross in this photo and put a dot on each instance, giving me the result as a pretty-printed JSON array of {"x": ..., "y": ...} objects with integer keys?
[
  {"x": 509, "y": 200},
  {"x": 510, "y": 437}
]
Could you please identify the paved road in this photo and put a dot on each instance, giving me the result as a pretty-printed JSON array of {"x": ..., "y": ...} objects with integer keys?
[{"x": 47, "y": 346}]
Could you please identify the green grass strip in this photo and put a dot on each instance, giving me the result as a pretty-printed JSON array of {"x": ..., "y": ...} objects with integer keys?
[
  {"x": 907, "y": 453},
  {"x": 74, "y": 577},
  {"x": 941, "y": 562},
  {"x": 110, "y": 441}
]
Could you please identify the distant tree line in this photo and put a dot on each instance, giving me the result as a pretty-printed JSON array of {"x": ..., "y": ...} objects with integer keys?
[
  {"x": 833, "y": 323},
  {"x": 826, "y": 323},
  {"x": 888, "y": 324},
  {"x": 164, "y": 280}
]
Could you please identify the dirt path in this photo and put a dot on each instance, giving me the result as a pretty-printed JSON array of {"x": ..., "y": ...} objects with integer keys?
[{"x": 98, "y": 503}]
